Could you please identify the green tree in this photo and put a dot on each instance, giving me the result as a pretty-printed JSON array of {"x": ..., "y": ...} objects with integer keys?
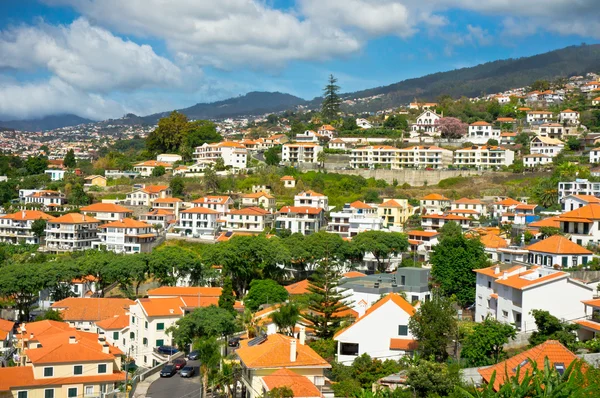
[
  {"x": 209, "y": 355},
  {"x": 396, "y": 122},
  {"x": 23, "y": 283},
  {"x": 202, "y": 322},
  {"x": 286, "y": 318},
  {"x": 540, "y": 85},
  {"x": 550, "y": 327},
  {"x": 272, "y": 155},
  {"x": 265, "y": 291},
  {"x": 210, "y": 180},
  {"x": 78, "y": 196},
  {"x": 484, "y": 346},
  {"x": 383, "y": 246},
  {"x": 431, "y": 379},
  {"x": 492, "y": 142},
  {"x": 170, "y": 263},
  {"x": 574, "y": 143},
  {"x": 434, "y": 325},
  {"x": 280, "y": 392},
  {"x": 38, "y": 227},
  {"x": 227, "y": 299},
  {"x": 200, "y": 132},
  {"x": 169, "y": 135},
  {"x": 330, "y": 107},
  {"x": 69, "y": 161},
  {"x": 550, "y": 231},
  {"x": 50, "y": 315},
  {"x": 158, "y": 171},
  {"x": 177, "y": 186},
  {"x": 349, "y": 124},
  {"x": 36, "y": 165},
  {"x": 452, "y": 263}
]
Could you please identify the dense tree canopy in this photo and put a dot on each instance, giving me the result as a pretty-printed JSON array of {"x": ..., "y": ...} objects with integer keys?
[{"x": 264, "y": 291}]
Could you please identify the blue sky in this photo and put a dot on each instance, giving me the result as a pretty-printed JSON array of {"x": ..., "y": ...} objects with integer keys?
[{"x": 103, "y": 58}]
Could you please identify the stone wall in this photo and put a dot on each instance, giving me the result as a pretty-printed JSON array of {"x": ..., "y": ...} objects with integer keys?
[{"x": 412, "y": 177}]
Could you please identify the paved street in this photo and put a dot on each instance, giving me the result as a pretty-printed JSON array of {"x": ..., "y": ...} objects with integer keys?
[{"x": 176, "y": 386}]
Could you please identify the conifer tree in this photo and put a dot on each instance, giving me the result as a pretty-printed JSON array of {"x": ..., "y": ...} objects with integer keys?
[
  {"x": 330, "y": 108},
  {"x": 227, "y": 299}
]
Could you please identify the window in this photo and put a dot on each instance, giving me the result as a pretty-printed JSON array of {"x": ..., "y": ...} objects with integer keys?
[
  {"x": 160, "y": 343},
  {"x": 402, "y": 330},
  {"x": 48, "y": 372},
  {"x": 349, "y": 349},
  {"x": 102, "y": 368},
  {"x": 89, "y": 390},
  {"x": 49, "y": 393},
  {"x": 145, "y": 341},
  {"x": 132, "y": 319},
  {"x": 490, "y": 284},
  {"x": 146, "y": 324},
  {"x": 403, "y": 280},
  {"x": 72, "y": 392},
  {"x": 160, "y": 326},
  {"x": 505, "y": 314},
  {"x": 115, "y": 336},
  {"x": 560, "y": 368},
  {"x": 22, "y": 394},
  {"x": 131, "y": 335},
  {"x": 78, "y": 369}
]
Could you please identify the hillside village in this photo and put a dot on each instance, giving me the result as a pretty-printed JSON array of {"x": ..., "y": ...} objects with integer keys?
[{"x": 291, "y": 249}]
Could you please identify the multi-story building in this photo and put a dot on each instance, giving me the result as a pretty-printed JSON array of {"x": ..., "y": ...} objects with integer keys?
[
  {"x": 249, "y": 219},
  {"x": 160, "y": 217},
  {"x": 480, "y": 132},
  {"x": 484, "y": 157},
  {"x": 147, "y": 195},
  {"x": 437, "y": 221},
  {"x": 312, "y": 199},
  {"x": 354, "y": 218},
  {"x": 536, "y": 160},
  {"x": 301, "y": 152},
  {"x": 546, "y": 146},
  {"x": 569, "y": 116},
  {"x": 106, "y": 211},
  {"x": 552, "y": 130},
  {"x": 423, "y": 157},
  {"x": 259, "y": 199},
  {"x": 71, "y": 232},
  {"x": 589, "y": 327},
  {"x": 394, "y": 213},
  {"x": 198, "y": 222},
  {"x": 58, "y": 361},
  {"x": 46, "y": 198},
  {"x": 539, "y": 117},
  {"x": 509, "y": 292},
  {"x": 370, "y": 157},
  {"x": 305, "y": 220},
  {"x": 421, "y": 243},
  {"x": 558, "y": 251},
  {"x": 573, "y": 202},
  {"x": 126, "y": 236},
  {"x": 595, "y": 155},
  {"x": 83, "y": 313},
  {"x": 16, "y": 228},
  {"x": 174, "y": 205},
  {"x": 475, "y": 205},
  {"x": 582, "y": 225},
  {"x": 434, "y": 203},
  {"x": 504, "y": 206},
  {"x": 234, "y": 154},
  {"x": 427, "y": 122},
  {"x": 222, "y": 204},
  {"x": 145, "y": 169},
  {"x": 308, "y": 136},
  {"x": 578, "y": 187}
]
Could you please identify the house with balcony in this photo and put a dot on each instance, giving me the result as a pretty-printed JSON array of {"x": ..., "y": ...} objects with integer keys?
[
  {"x": 373, "y": 156},
  {"x": 145, "y": 169},
  {"x": 260, "y": 199},
  {"x": 578, "y": 187},
  {"x": 71, "y": 232},
  {"x": 15, "y": 228},
  {"x": 106, "y": 212},
  {"x": 300, "y": 219},
  {"x": 552, "y": 130},
  {"x": 382, "y": 332},
  {"x": 436, "y": 221},
  {"x": 146, "y": 195},
  {"x": 354, "y": 218},
  {"x": 582, "y": 225},
  {"x": 127, "y": 236},
  {"x": 484, "y": 157},
  {"x": 569, "y": 117},
  {"x": 434, "y": 203},
  {"x": 426, "y": 123},
  {"x": 546, "y": 146},
  {"x": 312, "y": 199},
  {"x": 394, "y": 213},
  {"x": 503, "y": 206},
  {"x": 536, "y": 160},
  {"x": 46, "y": 199},
  {"x": 508, "y": 293},
  {"x": 57, "y": 361},
  {"x": 423, "y": 157},
  {"x": 539, "y": 117},
  {"x": 161, "y": 218},
  {"x": 300, "y": 152},
  {"x": 421, "y": 243},
  {"x": 222, "y": 204},
  {"x": 589, "y": 327},
  {"x": 234, "y": 154},
  {"x": 480, "y": 132},
  {"x": 249, "y": 219},
  {"x": 198, "y": 222},
  {"x": 475, "y": 207},
  {"x": 174, "y": 205}
]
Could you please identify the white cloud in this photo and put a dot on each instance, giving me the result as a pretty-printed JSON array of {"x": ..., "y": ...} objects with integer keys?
[{"x": 86, "y": 57}]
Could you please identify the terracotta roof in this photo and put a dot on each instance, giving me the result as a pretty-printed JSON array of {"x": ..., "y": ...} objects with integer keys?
[
  {"x": 480, "y": 123},
  {"x": 327, "y": 127},
  {"x": 275, "y": 353},
  {"x": 185, "y": 291},
  {"x": 492, "y": 241},
  {"x": 525, "y": 207},
  {"x": 353, "y": 274},
  {"x": 91, "y": 309},
  {"x": 491, "y": 271},
  {"x": 525, "y": 279},
  {"x": 494, "y": 296},
  {"x": 126, "y": 223},
  {"x": 297, "y": 288},
  {"x": 467, "y": 201},
  {"x": 105, "y": 208},
  {"x": 508, "y": 202},
  {"x": 15, "y": 377},
  {"x": 200, "y": 210},
  {"x": 403, "y": 344},
  {"x": 568, "y": 111},
  {"x": 167, "y": 200},
  {"x": 163, "y": 306},
  {"x": 551, "y": 349},
  {"x": 155, "y": 188},
  {"x": 593, "y": 303},
  {"x": 428, "y": 234},
  {"x": 26, "y": 215},
  {"x": 300, "y": 385},
  {"x": 309, "y": 193},
  {"x": 587, "y": 198},
  {"x": 250, "y": 211},
  {"x": 224, "y": 237},
  {"x": 287, "y": 178},
  {"x": 552, "y": 222},
  {"x": 360, "y": 205},
  {"x": 558, "y": 244},
  {"x": 505, "y": 119},
  {"x": 65, "y": 352},
  {"x": 301, "y": 210},
  {"x": 390, "y": 203},
  {"x": 435, "y": 196},
  {"x": 591, "y": 211},
  {"x": 394, "y": 298},
  {"x": 153, "y": 163},
  {"x": 463, "y": 211},
  {"x": 75, "y": 218},
  {"x": 219, "y": 200},
  {"x": 595, "y": 326},
  {"x": 445, "y": 217},
  {"x": 117, "y": 322},
  {"x": 5, "y": 328},
  {"x": 257, "y": 195}
]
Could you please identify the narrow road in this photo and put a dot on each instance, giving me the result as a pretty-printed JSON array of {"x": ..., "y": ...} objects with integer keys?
[{"x": 177, "y": 386}]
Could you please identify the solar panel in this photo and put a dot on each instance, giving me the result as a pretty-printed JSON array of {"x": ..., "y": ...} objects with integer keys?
[
  {"x": 560, "y": 368},
  {"x": 523, "y": 363},
  {"x": 228, "y": 233},
  {"x": 257, "y": 340}
]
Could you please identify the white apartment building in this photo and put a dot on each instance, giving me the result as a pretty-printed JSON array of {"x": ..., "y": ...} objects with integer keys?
[
  {"x": 423, "y": 157},
  {"x": 504, "y": 206},
  {"x": 56, "y": 174},
  {"x": 421, "y": 243},
  {"x": 558, "y": 251},
  {"x": 300, "y": 152},
  {"x": 221, "y": 204},
  {"x": 106, "y": 211},
  {"x": 484, "y": 157},
  {"x": 536, "y": 160},
  {"x": 305, "y": 220},
  {"x": 552, "y": 130},
  {"x": 569, "y": 116},
  {"x": 480, "y": 132},
  {"x": 573, "y": 202},
  {"x": 126, "y": 236},
  {"x": 595, "y": 155},
  {"x": 146, "y": 195},
  {"x": 145, "y": 169},
  {"x": 437, "y": 221},
  {"x": 71, "y": 232},
  {"x": 370, "y": 157},
  {"x": 16, "y": 228},
  {"x": 509, "y": 292},
  {"x": 46, "y": 198},
  {"x": 234, "y": 154},
  {"x": 249, "y": 219},
  {"x": 539, "y": 117},
  {"x": 169, "y": 158},
  {"x": 259, "y": 199},
  {"x": 475, "y": 205},
  {"x": 160, "y": 217},
  {"x": 578, "y": 187},
  {"x": 198, "y": 222},
  {"x": 308, "y": 136},
  {"x": 582, "y": 225},
  {"x": 312, "y": 199},
  {"x": 434, "y": 203},
  {"x": 427, "y": 122},
  {"x": 174, "y": 205},
  {"x": 546, "y": 146},
  {"x": 354, "y": 218}
]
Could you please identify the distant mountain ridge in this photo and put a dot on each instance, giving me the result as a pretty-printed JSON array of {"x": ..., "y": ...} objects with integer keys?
[{"x": 45, "y": 123}]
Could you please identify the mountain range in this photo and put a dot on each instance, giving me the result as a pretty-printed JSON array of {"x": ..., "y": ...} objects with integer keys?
[{"x": 490, "y": 77}]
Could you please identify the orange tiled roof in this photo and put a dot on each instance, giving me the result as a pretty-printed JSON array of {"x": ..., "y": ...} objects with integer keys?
[
  {"x": 301, "y": 209},
  {"x": 390, "y": 203},
  {"x": 275, "y": 353},
  {"x": 490, "y": 271},
  {"x": 257, "y": 195},
  {"x": 463, "y": 211},
  {"x": 595, "y": 326},
  {"x": 428, "y": 234},
  {"x": 360, "y": 205},
  {"x": 309, "y": 193},
  {"x": 167, "y": 200},
  {"x": 521, "y": 281},
  {"x": 353, "y": 274},
  {"x": 163, "y": 306},
  {"x": 508, "y": 202},
  {"x": 435, "y": 196},
  {"x": 300, "y": 287},
  {"x": 155, "y": 188},
  {"x": 551, "y": 349},
  {"x": 65, "y": 352},
  {"x": 75, "y": 218},
  {"x": 117, "y": 322},
  {"x": 219, "y": 200},
  {"x": 22, "y": 376},
  {"x": 153, "y": 163},
  {"x": 593, "y": 303},
  {"x": 587, "y": 198},
  {"x": 558, "y": 244},
  {"x": 590, "y": 211},
  {"x": 200, "y": 210},
  {"x": 492, "y": 241},
  {"x": 5, "y": 328},
  {"x": 105, "y": 208},
  {"x": 394, "y": 298},
  {"x": 287, "y": 178},
  {"x": 404, "y": 344},
  {"x": 91, "y": 309},
  {"x": 126, "y": 223},
  {"x": 300, "y": 385},
  {"x": 185, "y": 291},
  {"x": 480, "y": 123},
  {"x": 25, "y": 215},
  {"x": 552, "y": 222},
  {"x": 250, "y": 211}
]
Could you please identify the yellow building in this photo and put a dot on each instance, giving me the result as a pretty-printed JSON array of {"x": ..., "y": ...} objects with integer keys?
[
  {"x": 395, "y": 213},
  {"x": 98, "y": 181},
  {"x": 58, "y": 361}
]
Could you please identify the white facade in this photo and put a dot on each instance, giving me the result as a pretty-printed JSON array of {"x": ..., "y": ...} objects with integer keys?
[
  {"x": 595, "y": 155},
  {"x": 312, "y": 199},
  {"x": 539, "y": 116},
  {"x": 578, "y": 187},
  {"x": 423, "y": 157},
  {"x": 169, "y": 158},
  {"x": 250, "y": 219},
  {"x": 569, "y": 116},
  {"x": 106, "y": 211},
  {"x": 305, "y": 220},
  {"x": 145, "y": 196},
  {"x": 546, "y": 146},
  {"x": 56, "y": 175},
  {"x": 426, "y": 122},
  {"x": 145, "y": 169},
  {"x": 126, "y": 236},
  {"x": 234, "y": 154},
  {"x": 363, "y": 123},
  {"x": 484, "y": 157},
  {"x": 46, "y": 198},
  {"x": 16, "y": 228},
  {"x": 353, "y": 219},
  {"x": 222, "y": 204},
  {"x": 308, "y": 136},
  {"x": 480, "y": 132},
  {"x": 198, "y": 222},
  {"x": 373, "y": 156},
  {"x": 71, "y": 232},
  {"x": 300, "y": 153},
  {"x": 470, "y": 204},
  {"x": 536, "y": 160}
]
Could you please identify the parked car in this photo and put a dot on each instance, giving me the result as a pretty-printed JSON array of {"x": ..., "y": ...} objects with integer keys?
[
  {"x": 234, "y": 342},
  {"x": 167, "y": 350},
  {"x": 188, "y": 371},
  {"x": 168, "y": 371},
  {"x": 192, "y": 356},
  {"x": 179, "y": 363}
]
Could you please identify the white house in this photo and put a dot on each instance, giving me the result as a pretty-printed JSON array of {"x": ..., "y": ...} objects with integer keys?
[
  {"x": 582, "y": 225},
  {"x": 509, "y": 292},
  {"x": 16, "y": 228},
  {"x": 71, "y": 232},
  {"x": 552, "y": 130},
  {"x": 147, "y": 168},
  {"x": 126, "y": 236},
  {"x": 484, "y": 157},
  {"x": 475, "y": 205},
  {"x": 434, "y": 203},
  {"x": 198, "y": 222},
  {"x": 426, "y": 122},
  {"x": 55, "y": 174},
  {"x": 569, "y": 116},
  {"x": 106, "y": 211},
  {"x": 539, "y": 116},
  {"x": 421, "y": 243},
  {"x": 370, "y": 157},
  {"x": 46, "y": 198},
  {"x": 169, "y": 158},
  {"x": 300, "y": 219},
  {"x": 546, "y": 146},
  {"x": 338, "y": 144},
  {"x": 558, "y": 251},
  {"x": 146, "y": 195},
  {"x": 221, "y": 204},
  {"x": 301, "y": 152},
  {"x": 312, "y": 199},
  {"x": 437, "y": 221},
  {"x": 363, "y": 123},
  {"x": 504, "y": 206},
  {"x": 596, "y": 101},
  {"x": 234, "y": 154},
  {"x": 354, "y": 218},
  {"x": 382, "y": 332},
  {"x": 288, "y": 181},
  {"x": 595, "y": 155},
  {"x": 536, "y": 160},
  {"x": 259, "y": 199},
  {"x": 423, "y": 157},
  {"x": 308, "y": 136},
  {"x": 480, "y": 132},
  {"x": 328, "y": 131},
  {"x": 573, "y": 202},
  {"x": 248, "y": 219}
]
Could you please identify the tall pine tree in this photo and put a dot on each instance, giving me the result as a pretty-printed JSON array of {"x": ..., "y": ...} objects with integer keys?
[
  {"x": 69, "y": 161},
  {"x": 227, "y": 299},
  {"x": 330, "y": 108},
  {"x": 327, "y": 302}
]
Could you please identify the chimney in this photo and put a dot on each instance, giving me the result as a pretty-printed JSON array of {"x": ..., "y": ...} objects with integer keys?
[
  {"x": 497, "y": 269},
  {"x": 31, "y": 336},
  {"x": 72, "y": 340},
  {"x": 101, "y": 340},
  {"x": 504, "y": 275},
  {"x": 105, "y": 349},
  {"x": 23, "y": 213},
  {"x": 293, "y": 350},
  {"x": 302, "y": 335}
]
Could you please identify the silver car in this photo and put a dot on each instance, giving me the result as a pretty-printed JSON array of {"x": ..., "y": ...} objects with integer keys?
[{"x": 187, "y": 371}]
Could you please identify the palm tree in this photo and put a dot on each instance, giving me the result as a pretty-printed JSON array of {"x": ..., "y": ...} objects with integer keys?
[
  {"x": 321, "y": 158},
  {"x": 286, "y": 318},
  {"x": 209, "y": 355}
]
